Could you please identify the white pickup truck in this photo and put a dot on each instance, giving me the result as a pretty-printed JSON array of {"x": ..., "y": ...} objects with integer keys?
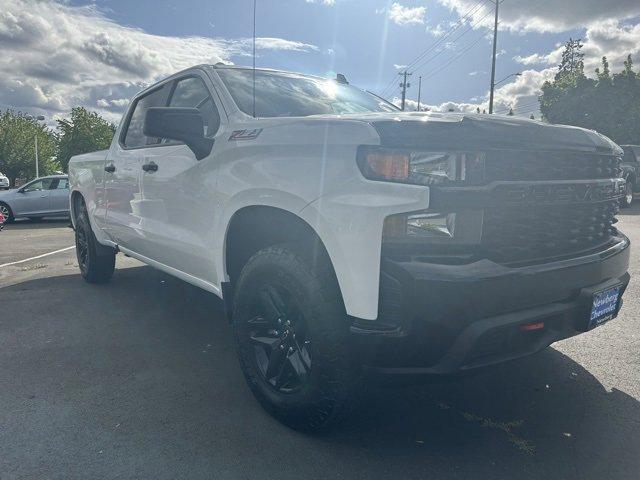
[{"x": 348, "y": 238}]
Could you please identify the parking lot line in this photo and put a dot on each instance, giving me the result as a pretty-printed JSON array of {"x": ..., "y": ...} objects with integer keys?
[{"x": 37, "y": 257}]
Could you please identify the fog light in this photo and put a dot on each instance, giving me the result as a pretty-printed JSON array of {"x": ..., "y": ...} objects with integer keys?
[{"x": 420, "y": 225}]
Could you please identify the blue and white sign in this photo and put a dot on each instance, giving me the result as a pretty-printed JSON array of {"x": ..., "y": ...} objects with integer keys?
[{"x": 604, "y": 306}]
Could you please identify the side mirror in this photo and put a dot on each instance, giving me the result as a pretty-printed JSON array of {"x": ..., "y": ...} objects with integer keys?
[{"x": 182, "y": 124}]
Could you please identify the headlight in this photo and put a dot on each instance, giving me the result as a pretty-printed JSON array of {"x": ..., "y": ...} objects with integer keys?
[{"x": 418, "y": 167}]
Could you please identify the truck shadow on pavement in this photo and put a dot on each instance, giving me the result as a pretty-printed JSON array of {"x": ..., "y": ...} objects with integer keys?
[{"x": 139, "y": 379}]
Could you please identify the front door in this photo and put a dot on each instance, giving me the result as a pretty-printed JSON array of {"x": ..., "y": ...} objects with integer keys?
[
  {"x": 123, "y": 171},
  {"x": 33, "y": 198},
  {"x": 177, "y": 205}
]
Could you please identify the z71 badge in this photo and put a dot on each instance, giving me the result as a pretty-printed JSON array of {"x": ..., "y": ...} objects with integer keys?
[{"x": 245, "y": 134}]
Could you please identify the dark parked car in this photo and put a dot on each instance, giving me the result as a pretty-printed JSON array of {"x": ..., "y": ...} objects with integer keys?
[{"x": 631, "y": 172}]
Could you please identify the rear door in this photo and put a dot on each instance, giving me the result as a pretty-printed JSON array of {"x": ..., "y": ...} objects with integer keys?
[
  {"x": 177, "y": 195},
  {"x": 123, "y": 170},
  {"x": 59, "y": 196}
]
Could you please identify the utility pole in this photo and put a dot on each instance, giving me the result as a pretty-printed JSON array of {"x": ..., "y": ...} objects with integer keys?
[
  {"x": 419, "y": 91},
  {"x": 493, "y": 61},
  {"x": 404, "y": 85}
]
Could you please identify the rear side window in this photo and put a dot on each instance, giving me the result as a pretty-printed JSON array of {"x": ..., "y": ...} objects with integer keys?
[
  {"x": 134, "y": 137},
  {"x": 62, "y": 184},
  {"x": 191, "y": 92}
]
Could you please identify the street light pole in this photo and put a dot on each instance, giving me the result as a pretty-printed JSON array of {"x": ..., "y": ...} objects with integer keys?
[
  {"x": 37, "y": 172},
  {"x": 39, "y": 118}
]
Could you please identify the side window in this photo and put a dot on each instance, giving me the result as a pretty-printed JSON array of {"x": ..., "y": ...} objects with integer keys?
[
  {"x": 44, "y": 184},
  {"x": 191, "y": 92},
  {"x": 32, "y": 187},
  {"x": 134, "y": 136},
  {"x": 62, "y": 184}
]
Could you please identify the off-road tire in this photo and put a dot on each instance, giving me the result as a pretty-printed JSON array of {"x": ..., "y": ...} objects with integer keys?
[
  {"x": 333, "y": 379},
  {"x": 96, "y": 263}
]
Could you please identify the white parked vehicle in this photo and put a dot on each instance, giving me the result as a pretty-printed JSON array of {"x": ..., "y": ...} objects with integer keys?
[
  {"x": 4, "y": 182},
  {"x": 348, "y": 237}
]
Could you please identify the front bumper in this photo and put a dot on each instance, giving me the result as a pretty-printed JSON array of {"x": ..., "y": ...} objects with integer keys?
[{"x": 445, "y": 319}]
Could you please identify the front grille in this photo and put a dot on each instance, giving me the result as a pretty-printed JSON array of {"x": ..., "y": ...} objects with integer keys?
[
  {"x": 530, "y": 166},
  {"x": 541, "y": 231}
]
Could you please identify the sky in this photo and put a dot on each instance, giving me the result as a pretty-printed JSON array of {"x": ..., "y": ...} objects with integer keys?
[{"x": 55, "y": 55}]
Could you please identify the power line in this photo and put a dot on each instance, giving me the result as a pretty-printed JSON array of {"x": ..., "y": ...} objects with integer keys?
[
  {"x": 389, "y": 87},
  {"x": 453, "y": 59},
  {"x": 451, "y": 30},
  {"x": 469, "y": 28}
]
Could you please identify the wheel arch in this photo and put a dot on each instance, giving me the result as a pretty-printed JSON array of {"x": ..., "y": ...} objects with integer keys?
[
  {"x": 252, "y": 228},
  {"x": 74, "y": 203}
]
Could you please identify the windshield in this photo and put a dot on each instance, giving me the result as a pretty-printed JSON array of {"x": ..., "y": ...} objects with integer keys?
[{"x": 290, "y": 95}]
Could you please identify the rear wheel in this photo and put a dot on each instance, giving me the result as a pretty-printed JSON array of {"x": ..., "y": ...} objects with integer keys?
[
  {"x": 6, "y": 212},
  {"x": 291, "y": 334},
  {"x": 96, "y": 262},
  {"x": 627, "y": 200}
]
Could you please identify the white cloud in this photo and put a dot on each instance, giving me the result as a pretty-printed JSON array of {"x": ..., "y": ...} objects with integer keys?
[
  {"x": 438, "y": 30},
  {"x": 550, "y": 16},
  {"x": 55, "y": 56},
  {"x": 401, "y": 15},
  {"x": 607, "y": 38},
  {"x": 533, "y": 59},
  {"x": 323, "y": 2}
]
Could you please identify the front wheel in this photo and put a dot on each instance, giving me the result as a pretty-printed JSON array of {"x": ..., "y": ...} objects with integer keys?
[
  {"x": 6, "y": 213},
  {"x": 627, "y": 200},
  {"x": 291, "y": 334},
  {"x": 95, "y": 265}
]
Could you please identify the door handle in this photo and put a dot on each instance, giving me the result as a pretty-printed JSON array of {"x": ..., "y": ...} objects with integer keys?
[
  {"x": 43, "y": 196},
  {"x": 150, "y": 167},
  {"x": 110, "y": 168}
]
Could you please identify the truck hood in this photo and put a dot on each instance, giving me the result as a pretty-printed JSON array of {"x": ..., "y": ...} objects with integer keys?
[
  {"x": 460, "y": 131},
  {"x": 473, "y": 132}
]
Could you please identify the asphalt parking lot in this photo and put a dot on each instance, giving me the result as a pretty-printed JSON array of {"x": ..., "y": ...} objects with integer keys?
[{"x": 139, "y": 379}]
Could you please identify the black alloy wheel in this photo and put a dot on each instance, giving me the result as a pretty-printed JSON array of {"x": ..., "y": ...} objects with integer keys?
[
  {"x": 280, "y": 340},
  {"x": 96, "y": 262},
  {"x": 82, "y": 249}
]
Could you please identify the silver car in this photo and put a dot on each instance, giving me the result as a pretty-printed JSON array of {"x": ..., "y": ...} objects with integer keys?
[
  {"x": 4, "y": 181},
  {"x": 42, "y": 197}
]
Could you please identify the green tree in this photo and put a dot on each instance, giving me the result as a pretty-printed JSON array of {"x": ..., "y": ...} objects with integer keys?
[
  {"x": 84, "y": 132},
  {"x": 607, "y": 103},
  {"x": 18, "y": 132}
]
